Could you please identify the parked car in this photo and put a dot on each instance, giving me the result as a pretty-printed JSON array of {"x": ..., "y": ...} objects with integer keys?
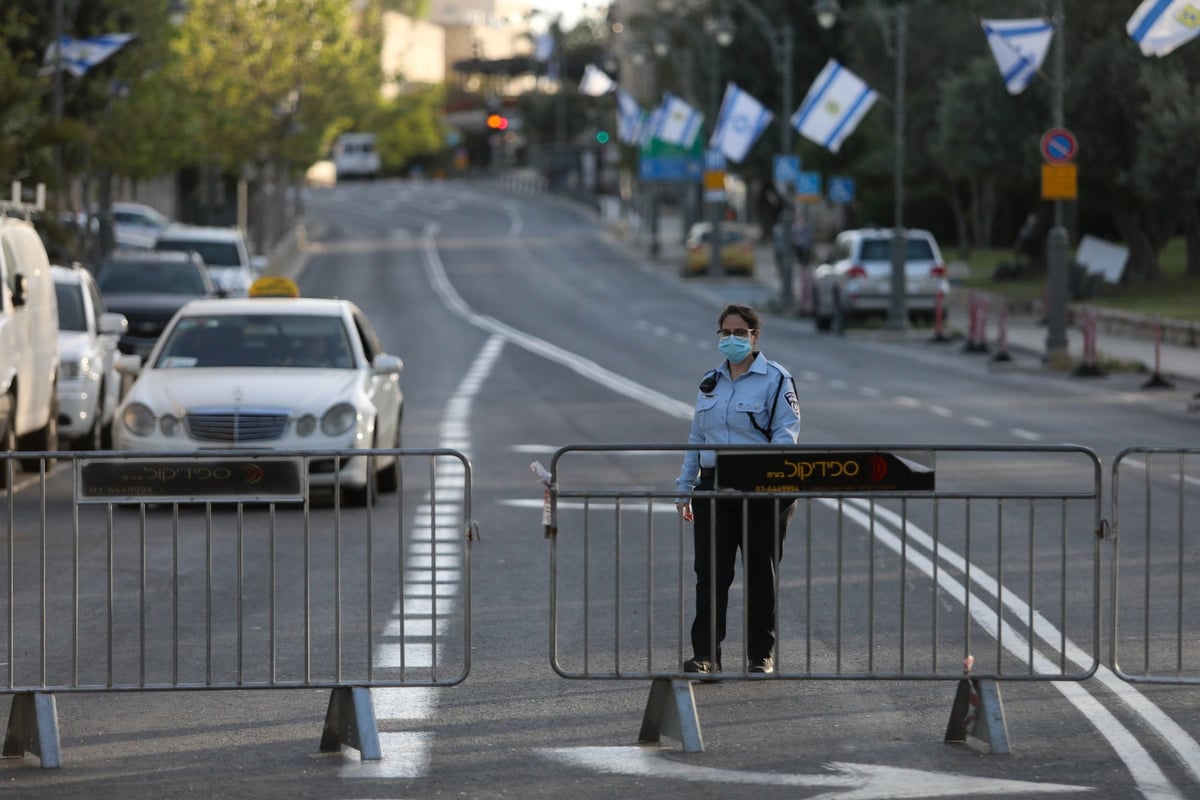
[
  {"x": 148, "y": 288},
  {"x": 270, "y": 373},
  {"x": 856, "y": 280},
  {"x": 88, "y": 385},
  {"x": 28, "y": 346},
  {"x": 355, "y": 156},
  {"x": 139, "y": 218},
  {"x": 737, "y": 249},
  {"x": 224, "y": 252}
]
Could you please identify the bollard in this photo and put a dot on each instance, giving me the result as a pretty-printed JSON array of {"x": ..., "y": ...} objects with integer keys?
[
  {"x": 939, "y": 317},
  {"x": 1089, "y": 368},
  {"x": 1002, "y": 341},
  {"x": 1157, "y": 381},
  {"x": 976, "y": 326}
]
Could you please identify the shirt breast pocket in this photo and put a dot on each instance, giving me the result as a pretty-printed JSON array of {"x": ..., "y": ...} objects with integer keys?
[{"x": 705, "y": 407}]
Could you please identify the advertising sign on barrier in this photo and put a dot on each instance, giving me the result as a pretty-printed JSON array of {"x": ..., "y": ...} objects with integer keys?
[
  {"x": 215, "y": 480},
  {"x": 822, "y": 471}
]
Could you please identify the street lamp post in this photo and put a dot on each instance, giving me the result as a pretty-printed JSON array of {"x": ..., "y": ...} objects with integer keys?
[
  {"x": 782, "y": 43},
  {"x": 721, "y": 29},
  {"x": 827, "y": 14}
]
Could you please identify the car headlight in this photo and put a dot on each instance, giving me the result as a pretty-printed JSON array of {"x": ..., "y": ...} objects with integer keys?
[
  {"x": 306, "y": 425},
  {"x": 168, "y": 425},
  {"x": 338, "y": 419},
  {"x": 138, "y": 419}
]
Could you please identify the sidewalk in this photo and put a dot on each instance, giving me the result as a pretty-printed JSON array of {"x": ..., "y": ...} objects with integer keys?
[{"x": 1025, "y": 334}]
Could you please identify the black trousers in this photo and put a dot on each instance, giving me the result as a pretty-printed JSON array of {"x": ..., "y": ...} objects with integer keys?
[{"x": 716, "y": 558}]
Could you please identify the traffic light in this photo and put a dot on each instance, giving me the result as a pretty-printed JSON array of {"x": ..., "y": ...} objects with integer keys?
[
  {"x": 602, "y": 137},
  {"x": 497, "y": 122}
]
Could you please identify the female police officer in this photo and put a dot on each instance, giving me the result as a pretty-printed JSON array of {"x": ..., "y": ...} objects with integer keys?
[{"x": 746, "y": 400}]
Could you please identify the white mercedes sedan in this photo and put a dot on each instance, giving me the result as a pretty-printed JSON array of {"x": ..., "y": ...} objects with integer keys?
[{"x": 279, "y": 373}]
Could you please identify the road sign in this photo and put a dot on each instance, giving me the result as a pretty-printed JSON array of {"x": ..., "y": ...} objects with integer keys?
[
  {"x": 714, "y": 176},
  {"x": 808, "y": 187},
  {"x": 786, "y": 170},
  {"x": 1059, "y": 182},
  {"x": 841, "y": 189},
  {"x": 1059, "y": 146},
  {"x": 670, "y": 169}
]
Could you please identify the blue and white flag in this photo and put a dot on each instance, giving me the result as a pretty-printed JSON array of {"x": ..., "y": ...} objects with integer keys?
[
  {"x": 596, "y": 82},
  {"x": 649, "y": 125},
  {"x": 1160, "y": 26},
  {"x": 740, "y": 122},
  {"x": 836, "y": 102},
  {"x": 543, "y": 47},
  {"x": 80, "y": 55},
  {"x": 678, "y": 123},
  {"x": 1019, "y": 47},
  {"x": 629, "y": 117}
]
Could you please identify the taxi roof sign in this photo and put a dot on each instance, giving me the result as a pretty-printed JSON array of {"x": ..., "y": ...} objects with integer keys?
[{"x": 274, "y": 286}]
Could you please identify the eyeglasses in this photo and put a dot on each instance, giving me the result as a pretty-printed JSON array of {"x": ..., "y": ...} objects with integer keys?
[{"x": 741, "y": 333}]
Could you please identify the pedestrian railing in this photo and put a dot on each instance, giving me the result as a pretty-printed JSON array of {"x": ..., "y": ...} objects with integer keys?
[
  {"x": 912, "y": 562},
  {"x": 232, "y": 570},
  {"x": 1155, "y": 620}
]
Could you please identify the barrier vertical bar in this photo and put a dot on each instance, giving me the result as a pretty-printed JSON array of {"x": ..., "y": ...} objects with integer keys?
[
  {"x": 903, "y": 581},
  {"x": 871, "y": 540}
]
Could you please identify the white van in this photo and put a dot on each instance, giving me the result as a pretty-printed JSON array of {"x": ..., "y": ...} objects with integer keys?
[
  {"x": 355, "y": 156},
  {"x": 28, "y": 345}
]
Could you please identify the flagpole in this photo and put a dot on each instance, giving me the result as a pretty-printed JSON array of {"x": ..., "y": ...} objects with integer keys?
[{"x": 897, "y": 313}]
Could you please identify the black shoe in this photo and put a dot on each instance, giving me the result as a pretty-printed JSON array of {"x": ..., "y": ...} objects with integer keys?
[
  {"x": 761, "y": 666},
  {"x": 700, "y": 665}
]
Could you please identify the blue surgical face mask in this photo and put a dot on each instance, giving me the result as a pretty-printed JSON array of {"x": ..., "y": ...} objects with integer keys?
[{"x": 735, "y": 348}]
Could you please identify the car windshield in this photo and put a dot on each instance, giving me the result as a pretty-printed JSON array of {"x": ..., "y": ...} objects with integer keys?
[
  {"x": 71, "y": 316},
  {"x": 257, "y": 340},
  {"x": 881, "y": 250},
  {"x": 148, "y": 277},
  {"x": 215, "y": 254}
]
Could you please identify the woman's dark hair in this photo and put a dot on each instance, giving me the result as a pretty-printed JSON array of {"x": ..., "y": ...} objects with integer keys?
[{"x": 745, "y": 312}]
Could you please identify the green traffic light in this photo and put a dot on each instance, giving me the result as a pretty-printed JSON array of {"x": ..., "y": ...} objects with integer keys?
[{"x": 602, "y": 137}]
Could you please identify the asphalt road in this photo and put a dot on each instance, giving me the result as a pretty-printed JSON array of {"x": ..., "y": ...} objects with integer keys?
[{"x": 525, "y": 328}]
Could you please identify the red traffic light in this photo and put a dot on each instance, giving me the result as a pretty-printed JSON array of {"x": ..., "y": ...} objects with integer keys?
[{"x": 497, "y": 122}]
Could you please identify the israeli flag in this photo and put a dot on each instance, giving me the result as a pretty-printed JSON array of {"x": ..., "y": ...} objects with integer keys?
[
  {"x": 649, "y": 125},
  {"x": 543, "y": 47},
  {"x": 1019, "y": 47},
  {"x": 1160, "y": 26},
  {"x": 629, "y": 117},
  {"x": 836, "y": 102},
  {"x": 596, "y": 82},
  {"x": 678, "y": 123},
  {"x": 740, "y": 122},
  {"x": 80, "y": 55}
]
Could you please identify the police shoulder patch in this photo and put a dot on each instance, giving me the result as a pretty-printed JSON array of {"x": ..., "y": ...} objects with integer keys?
[{"x": 793, "y": 401}]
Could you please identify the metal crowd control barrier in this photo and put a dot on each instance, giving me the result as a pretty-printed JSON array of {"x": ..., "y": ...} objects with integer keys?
[
  {"x": 1155, "y": 636},
  {"x": 231, "y": 570},
  {"x": 906, "y": 562}
]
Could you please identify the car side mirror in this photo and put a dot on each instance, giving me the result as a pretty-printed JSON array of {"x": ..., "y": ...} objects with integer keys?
[
  {"x": 385, "y": 364},
  {"x": 113, "y": 323},
  {"x": 128, "y": 364},
  {"x": 20, "y": 290}
]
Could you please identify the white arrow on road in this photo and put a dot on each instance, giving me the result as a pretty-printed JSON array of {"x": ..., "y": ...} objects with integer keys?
[{"x": 849, "y": 781}]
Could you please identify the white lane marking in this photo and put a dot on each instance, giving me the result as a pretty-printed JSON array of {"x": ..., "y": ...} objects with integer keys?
[
  {"x": 849, "y": 781},
  {"x": 592, "y": 371},
  {"x": 662, "y": 507},
  {"x": 1141, "y": 765},
  {"x": 941, "y": 411},
  {"x": 907, "y": 402},
  {"x": 536, "y": 449},
  {"x": 435, "y": 543},
  {"x": 978, "y": 422},
  {"x": 1028, "y": 436},
  {"x": 870, "y": 391}
]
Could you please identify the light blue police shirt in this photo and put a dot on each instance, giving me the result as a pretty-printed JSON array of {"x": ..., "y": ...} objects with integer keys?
[{"x": 723, "y": 416}]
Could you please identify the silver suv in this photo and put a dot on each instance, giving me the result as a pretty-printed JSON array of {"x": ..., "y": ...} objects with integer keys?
[{"x": 856, "y": 280}]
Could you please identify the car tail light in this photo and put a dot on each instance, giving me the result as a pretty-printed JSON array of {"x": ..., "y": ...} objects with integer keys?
[
  {"x": 857, "y": 271},
  {"x": 937, "y": 271}
]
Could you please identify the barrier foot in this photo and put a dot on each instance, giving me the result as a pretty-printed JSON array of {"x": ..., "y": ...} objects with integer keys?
[
  {"x": 1157, "y": 381},
  {"x": 33, "y": 728},
  {"x": 978, "y": 712},
  {"x": 1088, "y": 371},
  {"x": 1002, "y": 356},
  {"x": 350, "y": 721},
  {"x": 671, "y": 712}
]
